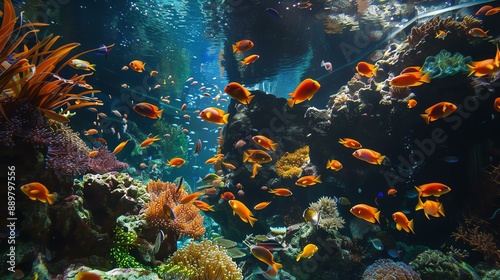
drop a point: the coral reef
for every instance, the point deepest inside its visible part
(388, 269)
(207, 260)
(187, 220)
(444, 64)
(474, 232)
(330, 218)
(434, 264)
(123, 243)
(290, 164)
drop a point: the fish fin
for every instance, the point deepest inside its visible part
(380, 160)
(426, 118)
(410, 226)
(32, 197)
(472, 69)
(318, 179)
(159, 113)
(377, 217)
(225, 118)
(235, 48)
(427, 216)
(51, 198)
(245, 156)
(398, 227)
(290, 102)
(322, 63)
(277, 266)
(252, 220)
(441, 210)
(420, 205)
(91, 66)
(34, 191)
(426, 78)
(418, 190)
(299, 255)
(374, 71)
(249, 99)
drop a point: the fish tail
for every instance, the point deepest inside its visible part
(318, 179)
(374, 71)
(420, 205)
(410, 226)
(290, 102)
(51, 198)
(380, 160)
(426, 78)
(377, 217)
(225, 118)
(441, 209)
(274, 146)
(277, 266)
(298, 257)
(426, 118)
(472, 69)
(211, 208)
(235, 49)
(245, 156)
(249, 99)
(252, 220)
(159, 113)
(328, 164)
(418, 190)
(91, 66)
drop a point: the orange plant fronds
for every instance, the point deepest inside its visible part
(187, 218)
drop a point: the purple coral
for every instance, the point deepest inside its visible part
(388, 269)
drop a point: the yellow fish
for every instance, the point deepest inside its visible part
(307, 252)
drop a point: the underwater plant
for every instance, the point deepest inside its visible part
(444, 64)
(289, 165)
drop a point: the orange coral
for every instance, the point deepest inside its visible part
(289, 165)
(188, 219)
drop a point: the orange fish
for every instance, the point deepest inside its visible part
(242, 211)
(38, 191)
(91, 131)
(413, 69)
(493, 11)
(308, 181)
(257, 156)
(366, 212)
(496, 104)
(249, 59)
(93, 153)
(430, 207)
(366, 69)
(214, 115)
(153, 72)
(412, 103)
(369, 156)
(148, 110)
(176, 162)
(255, 170)
(483, 10)
(120, 147)
(137, 65)
(265, 256)
(149, 141)
(261, 205)
(229, 165)
(402, 222)
(432, 189)
(190, 197)
(265, 142)
(280, 192)
(483, 67)
(437, 111)
(202, 205)
(238, 92)
(87, 275)
(350, 143)
(410, 79)
(242, 46)
(441, 34)
(392, 192)
(81, 64)
(477, 32)
(307, 252)
(214, 159)
(227, 196)
(334, 165)
(304, 91)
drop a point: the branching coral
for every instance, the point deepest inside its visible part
(473, 233)
(388, 269)
(289, 165)
(330, 219)
(208, 260)
(187, 218)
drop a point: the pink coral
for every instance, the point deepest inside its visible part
(388, 269)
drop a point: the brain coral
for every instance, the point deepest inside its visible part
(386, 269)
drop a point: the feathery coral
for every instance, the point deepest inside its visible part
(330, 218)
(188, 219)
(289, 165)
(208, 260)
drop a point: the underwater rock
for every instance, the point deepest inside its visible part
(118, 273)
(434, 264)
(110, 195)
(359, 228)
